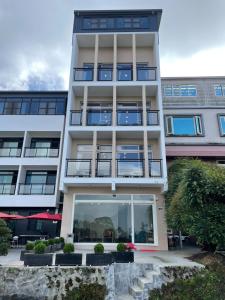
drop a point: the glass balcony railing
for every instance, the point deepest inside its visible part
(152, 117)
(155, 168)
(78, 168)
(10, 152)
(105, 74)
(83, 74)
(37, 189)
(103, 167)
(7, 189)
(99, 117)
(124, 74)
(146, 74)
(76, 117)
(129, 117)
(130, 168)
(41, 152)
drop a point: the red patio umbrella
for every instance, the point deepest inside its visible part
(45, 216)
(10, 217)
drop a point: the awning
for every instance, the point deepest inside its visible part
(10, 217)
(46, 216)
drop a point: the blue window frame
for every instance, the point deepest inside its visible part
(184, 126)
(180, 91)
(222, 124)
(219, 90)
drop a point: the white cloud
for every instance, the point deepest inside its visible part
(207, 62)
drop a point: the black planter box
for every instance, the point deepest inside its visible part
(99, 259)
(37, 259)
(25, 252)
(123, 257)
(66, 259)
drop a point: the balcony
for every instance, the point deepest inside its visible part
(99, 117)
(152, 117)
(78, 168)
(83, 74)
(76, 117)
(105, 74)
(124, 168)
(41, 152)
(129, 117)
(36, 189)
(103, 168)
(130, 168)
(124, 73)
(7, 189)
(10, 152)
(146, 73)
(155, 168)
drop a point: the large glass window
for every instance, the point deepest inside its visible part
(102, 222)
(180, 91)
(114, 219)
(184, 125)
(222, 124)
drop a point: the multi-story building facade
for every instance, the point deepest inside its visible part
(31, 136)
(194, 115)
(114, 166)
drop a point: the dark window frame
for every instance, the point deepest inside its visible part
(219, 123)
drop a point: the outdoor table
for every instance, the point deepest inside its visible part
(31, 237)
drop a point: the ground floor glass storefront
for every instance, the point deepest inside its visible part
(114, 219)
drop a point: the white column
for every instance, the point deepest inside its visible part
(94, 151)
(144, 114)
(134, 57)
(114, 57)
(84, 113)
(96, 57)
(114, 154)
(146, 165)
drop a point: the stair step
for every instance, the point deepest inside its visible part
(136, 291)
(145, 283)
(125, 297)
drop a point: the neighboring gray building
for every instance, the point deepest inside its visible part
(194, 116)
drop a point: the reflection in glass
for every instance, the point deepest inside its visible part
(143, 224)
(102, 222)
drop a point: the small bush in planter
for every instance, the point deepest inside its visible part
(40, 248)
(30, 246)
(121, 247)
(45, 243)
(37, 242)
(68, 248)
(99, 249)
(51, 242)
(57, 241)
(5, 235)
(62, 240)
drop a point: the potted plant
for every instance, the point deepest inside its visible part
(39, 258)
(5, 235)
(68, 257)
(99, 258)
(29, 248)
(62, 242)
(122, 255)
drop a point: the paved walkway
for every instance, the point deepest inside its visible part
(161, 258)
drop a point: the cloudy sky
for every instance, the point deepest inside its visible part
(35, 39)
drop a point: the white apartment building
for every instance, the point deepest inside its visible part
(31, 136)
(114, 171)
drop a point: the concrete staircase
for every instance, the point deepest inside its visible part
(139, 289)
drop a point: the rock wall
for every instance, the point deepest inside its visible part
(53, 283)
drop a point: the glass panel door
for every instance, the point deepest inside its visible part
(143, 223)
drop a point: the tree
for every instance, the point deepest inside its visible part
(196, 201)
(5, 235)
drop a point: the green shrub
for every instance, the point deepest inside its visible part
(40, 248)
(30, 246)
(205, 285)
(51, 242)
(62, 240)
(92, 291)
(5, 235)
(37, 242)
(57, 241)
(99, 249)
(121, 247)
(4, 248)
(45, 242)
(68, 248)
